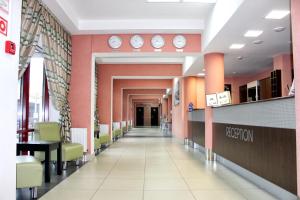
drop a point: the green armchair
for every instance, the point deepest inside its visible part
(102, 137)
(117, 130)
(50, 131)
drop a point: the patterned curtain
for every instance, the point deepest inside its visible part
(96, 113)
(38, 22)
(32, 21)
(57, 54)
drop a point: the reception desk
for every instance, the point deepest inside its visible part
(196, 127)
(260, 137)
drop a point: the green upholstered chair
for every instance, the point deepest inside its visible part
(129, 124)
(104, 139)
(124, 130)
(29, 172)
(117, 133)
(97, 143)
(104, 135)
(51, 131)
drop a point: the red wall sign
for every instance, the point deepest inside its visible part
(3, 26)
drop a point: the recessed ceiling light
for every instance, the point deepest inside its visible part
(201, 74)
(277, 14)
(237, 46)
(199, 1)
(253, 33)
(258, 42)
(163, 1)
(234, 72)
(240, 57)
(279, 29)
(203, 69)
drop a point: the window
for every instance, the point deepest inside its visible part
(36, 92)
(33, 97)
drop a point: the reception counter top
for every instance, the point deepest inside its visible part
(276, 113)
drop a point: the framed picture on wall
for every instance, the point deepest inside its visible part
(211, 100)
(177, 92)
(224, 98)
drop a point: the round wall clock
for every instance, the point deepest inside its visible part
(136, 41)
(157, 41)
(179, 41)
(115, 42)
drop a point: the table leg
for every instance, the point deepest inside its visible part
(59, 160)
(47, 165)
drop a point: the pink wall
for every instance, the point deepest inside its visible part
(284, 63)
(192, 90)
(120, 84)
(214, 83)
(80, 88)
(146, 101)
(178, 114)
(128, 92)
(236, 82)
(83, 46)
(106, 73)
(295, 7)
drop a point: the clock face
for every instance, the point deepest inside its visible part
(179, 41)
(115, 42)
(137, 41)
(157, 41)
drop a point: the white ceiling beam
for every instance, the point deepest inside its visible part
(141, 26)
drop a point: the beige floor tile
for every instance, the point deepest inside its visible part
(76, 183)
(127, 174)
(91, 174)
(165, 184)
(123, 184)
(162, 174)
(65, 194)
(218, 195)
(168, 195)
(118, 195)
(211, 183)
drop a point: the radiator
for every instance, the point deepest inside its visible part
(79, 135)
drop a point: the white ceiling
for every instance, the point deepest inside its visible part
(257, 58)
(121, 16)
(136, 9)
(136, 16)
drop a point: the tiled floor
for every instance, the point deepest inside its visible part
(154, 169)
(146, 132)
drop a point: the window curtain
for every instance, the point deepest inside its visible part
(32, 20)
(96, 113)
(56, 43)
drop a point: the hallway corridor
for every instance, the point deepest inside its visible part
(153, 168)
